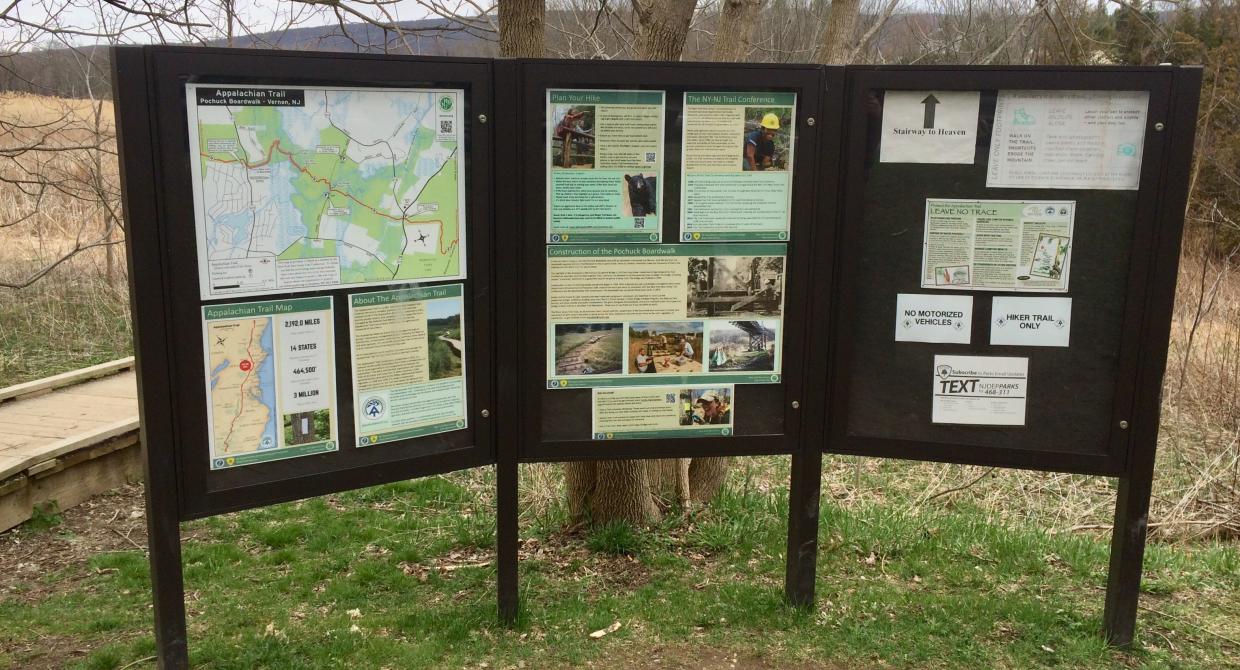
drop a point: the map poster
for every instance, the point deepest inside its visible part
(270, 380)
(980, 390)
(300, 189)
(604, 166)
(997, 245)
(408, 353)
(646, 412)
(1068, 139)
(659, 314)
(737, 166)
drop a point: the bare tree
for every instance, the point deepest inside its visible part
(735, 28)
(521, 28)
(664, 27)
(835, 45)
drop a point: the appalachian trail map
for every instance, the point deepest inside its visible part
(299, 189)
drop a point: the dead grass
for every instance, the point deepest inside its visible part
(59, 185)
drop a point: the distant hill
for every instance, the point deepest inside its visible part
(425, 37)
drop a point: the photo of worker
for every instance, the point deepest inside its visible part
(742, 345)
(736, 286)
(637, 195)
(588, 349)
(572, 136)
(767, 138)
(705, 406)
(673, 347)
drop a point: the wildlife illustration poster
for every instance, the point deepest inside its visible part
(604, 165)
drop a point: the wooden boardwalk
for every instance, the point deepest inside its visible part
(66, 438)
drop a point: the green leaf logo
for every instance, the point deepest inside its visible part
(445, 103)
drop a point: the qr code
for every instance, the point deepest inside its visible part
(671, 398)
(649, 156)
(445, 126)
(639, 222)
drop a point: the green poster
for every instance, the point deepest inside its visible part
(604, 166)
(408, 355)
(655, 412)
(737, 166)
(659, 314)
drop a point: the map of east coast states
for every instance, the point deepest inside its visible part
(315, 188)
(243, 386)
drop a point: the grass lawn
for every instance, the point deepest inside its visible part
(402, 576)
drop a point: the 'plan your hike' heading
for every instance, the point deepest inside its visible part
(277, 97)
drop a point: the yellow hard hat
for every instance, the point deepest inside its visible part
(770, 121)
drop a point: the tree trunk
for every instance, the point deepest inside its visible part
(835, 45)
(605, 491)
(734, 30)
(521, 28)
(664, 28)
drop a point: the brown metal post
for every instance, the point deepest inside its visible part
(135, 139)
(1132, 508)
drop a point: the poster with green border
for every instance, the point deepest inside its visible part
(604, 165)
(407, 349)
(271, 380)
(658, 314)
(653, 412)
(737, 166)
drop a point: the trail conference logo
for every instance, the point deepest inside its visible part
(374, 408)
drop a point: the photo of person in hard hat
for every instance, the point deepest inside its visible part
(766, 138)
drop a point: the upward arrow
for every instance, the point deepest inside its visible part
(928, 119)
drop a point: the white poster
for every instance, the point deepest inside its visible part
(1031, 322)
(926, 317)
(1068, 139)
(929, 126)
(980, 390)
(304, 189)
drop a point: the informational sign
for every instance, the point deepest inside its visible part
(643, 315)
(1068, 139)
(929, 126)
(737, 167)
(926, 317)
(604, 165)
(1031, 322)
(408, 353)
(301, 189)
(997, 245)
(980, 390)
(663, 411)
(270, 380)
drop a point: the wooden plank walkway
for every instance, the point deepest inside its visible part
(52, 426)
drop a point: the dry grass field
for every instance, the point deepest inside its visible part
(59, 206)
